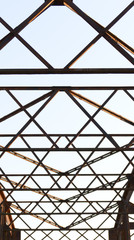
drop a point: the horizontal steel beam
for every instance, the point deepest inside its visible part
(67, 189)
(68, 201)
(64, 88)
(68, 71)
(66, 149)
(69, 135)
(61, 214)
(63, 229)
(66, 174)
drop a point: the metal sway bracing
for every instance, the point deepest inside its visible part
(66, 120)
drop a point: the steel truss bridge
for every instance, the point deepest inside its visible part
(66, 151)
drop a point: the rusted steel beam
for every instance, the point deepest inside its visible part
(45, 96)
(126, 227)
(65, 174)
(100, 29)
(27, 45)
(64, 88)
(32, 118)
(16, 235)
(67, 71)
(58, 2)
(113, 234)
(91, 119)
(86, 190)
(100, 35)
(61, 214)
(67, 135)
(34, 161)
(65, 229)
(5, 204)
(36, 216)
(6, 149)
(103, 108)
(117, 149)
(20, 27)
(39, 191)
(125, 198)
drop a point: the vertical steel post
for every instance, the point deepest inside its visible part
(16, 235)
(126, 225)
(2, 222)
(113, 234)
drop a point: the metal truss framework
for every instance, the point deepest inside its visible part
(65, 185)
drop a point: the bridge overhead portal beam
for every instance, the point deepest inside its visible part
(59, 2)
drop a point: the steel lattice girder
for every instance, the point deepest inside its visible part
(85, 172)
(67, 152)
